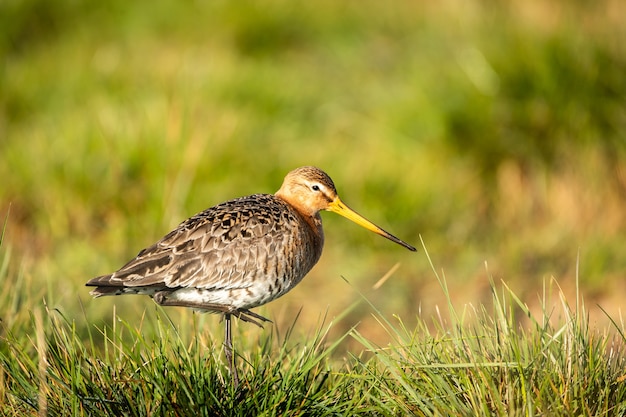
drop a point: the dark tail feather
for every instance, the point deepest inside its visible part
(102, 291)
(103, 286)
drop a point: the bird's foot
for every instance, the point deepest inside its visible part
(251, 317)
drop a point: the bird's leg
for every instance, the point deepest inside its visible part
(228, 350)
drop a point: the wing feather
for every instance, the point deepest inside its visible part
(224, 247)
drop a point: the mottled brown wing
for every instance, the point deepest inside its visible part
(226, 246)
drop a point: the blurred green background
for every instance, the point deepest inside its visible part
(495, 130)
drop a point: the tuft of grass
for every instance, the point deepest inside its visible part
(484, 362)
(141, 374)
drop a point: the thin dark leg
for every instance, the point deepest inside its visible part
(228, 351)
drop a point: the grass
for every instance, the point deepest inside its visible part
(479, 362)
(161, 374)
(494, 366)
(495, 130)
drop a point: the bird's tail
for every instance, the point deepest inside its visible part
(107, 286)
(104, 286)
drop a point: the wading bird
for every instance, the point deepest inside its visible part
(238, 255)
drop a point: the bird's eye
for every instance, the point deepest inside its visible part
(315, 187)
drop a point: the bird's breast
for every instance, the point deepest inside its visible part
(283, 246)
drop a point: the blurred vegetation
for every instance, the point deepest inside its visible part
(495, 130)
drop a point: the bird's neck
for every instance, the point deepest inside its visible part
(313, 219)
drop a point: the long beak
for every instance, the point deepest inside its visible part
(337, 206)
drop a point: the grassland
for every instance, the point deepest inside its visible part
(494, 131)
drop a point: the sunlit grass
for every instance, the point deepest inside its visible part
(479, 361)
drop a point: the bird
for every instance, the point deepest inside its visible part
(239, 254)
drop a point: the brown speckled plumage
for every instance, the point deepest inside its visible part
(234, 256)
(239, 254)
